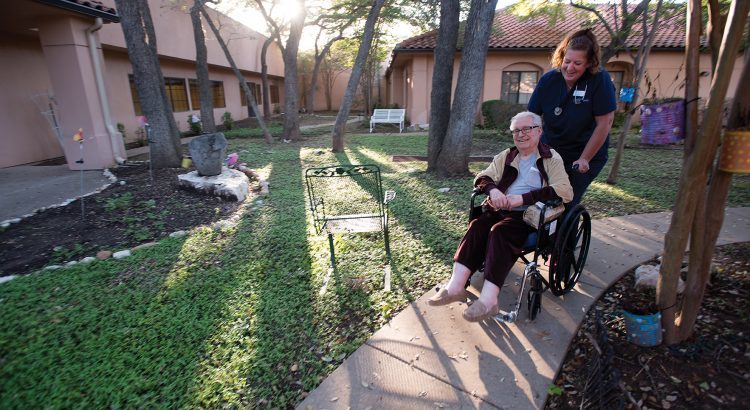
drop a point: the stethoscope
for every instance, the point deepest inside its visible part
(578, 96)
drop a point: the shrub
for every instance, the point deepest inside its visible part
(227, 120)
(195, 124)
(497, 113)
(121, 130)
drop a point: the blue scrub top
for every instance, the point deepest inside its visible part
(569, 132)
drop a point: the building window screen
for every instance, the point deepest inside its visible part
(177, 94)
(517, 86)
(274, 90)
(256, 93)
(217, 88)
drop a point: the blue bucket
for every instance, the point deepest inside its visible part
(643, 330)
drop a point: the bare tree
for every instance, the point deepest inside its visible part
(331, 67)
(249, 96)
(340, 126)
(690, 220)
(205, 94)
(442, 79)
(641, 58)
(289, 54)
(336, 20)
(140, 38)
(453, 157)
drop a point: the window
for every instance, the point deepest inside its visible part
(217, 87)
(176, 94)
(617, 77)
(517, 86)
(195, 95)
(217, 92)
(274, 91)
(134, 95)
(256, 94)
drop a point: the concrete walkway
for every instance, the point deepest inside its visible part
(429, 357)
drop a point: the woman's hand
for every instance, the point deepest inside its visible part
(583, 165)
(497, 200)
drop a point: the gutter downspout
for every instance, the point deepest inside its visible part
(115, 137)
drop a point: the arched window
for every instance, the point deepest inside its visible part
(518, 82)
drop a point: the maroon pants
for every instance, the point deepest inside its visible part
(495, 238)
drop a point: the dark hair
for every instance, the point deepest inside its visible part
(581, 40)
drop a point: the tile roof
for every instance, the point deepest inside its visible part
(93, 8)
(511, 32)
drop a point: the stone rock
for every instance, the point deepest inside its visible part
(263, 188)
(177, 234)
(144, 246)
(87, 259)
(443, 190)
(71, 263)
(52, 267)
(208, 152)
(102, 255)
(121, 254)
(7, 278)
(230, 184)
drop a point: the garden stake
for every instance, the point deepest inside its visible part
(78, 137)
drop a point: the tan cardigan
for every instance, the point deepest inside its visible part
(503, 170)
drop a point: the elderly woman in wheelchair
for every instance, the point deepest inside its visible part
(519, 177)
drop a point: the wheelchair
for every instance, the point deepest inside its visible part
(562, 243)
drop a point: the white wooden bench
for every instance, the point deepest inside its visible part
(388, 116)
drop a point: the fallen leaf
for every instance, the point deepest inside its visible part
(423, 394)
(334, 398)
(327, 359)
(440, 405)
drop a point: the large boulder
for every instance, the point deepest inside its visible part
(230, 184)
(208, 152)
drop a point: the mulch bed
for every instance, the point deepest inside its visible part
(132, 211)
(710, 370)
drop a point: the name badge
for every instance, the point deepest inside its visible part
(579, 93)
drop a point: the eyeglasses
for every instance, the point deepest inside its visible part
(524, 130)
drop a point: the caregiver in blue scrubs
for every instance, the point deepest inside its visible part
(577, 102)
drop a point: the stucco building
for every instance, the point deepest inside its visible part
(52, 50)
(519, 53)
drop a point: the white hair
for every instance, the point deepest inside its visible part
(535, 119)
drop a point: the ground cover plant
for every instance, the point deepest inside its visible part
(235, 316)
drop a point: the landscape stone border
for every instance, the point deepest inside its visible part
(229, 222)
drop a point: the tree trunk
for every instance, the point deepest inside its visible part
(692, 187)
(692, 74)
(442, 79)
(316, 72)
(715, 30)
(641, 59)
(346, 102)
(703, 244)
(266, 95)
(453, 158)
(291, 80)
(249, 96)
(201, 70)
(140, 38)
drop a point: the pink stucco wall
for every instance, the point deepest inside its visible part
(45, 51)
(26, 135)
(410, 79)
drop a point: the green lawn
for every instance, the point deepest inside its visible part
(235, 317)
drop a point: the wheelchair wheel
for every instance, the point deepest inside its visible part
(570, 250)
(534, 298)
